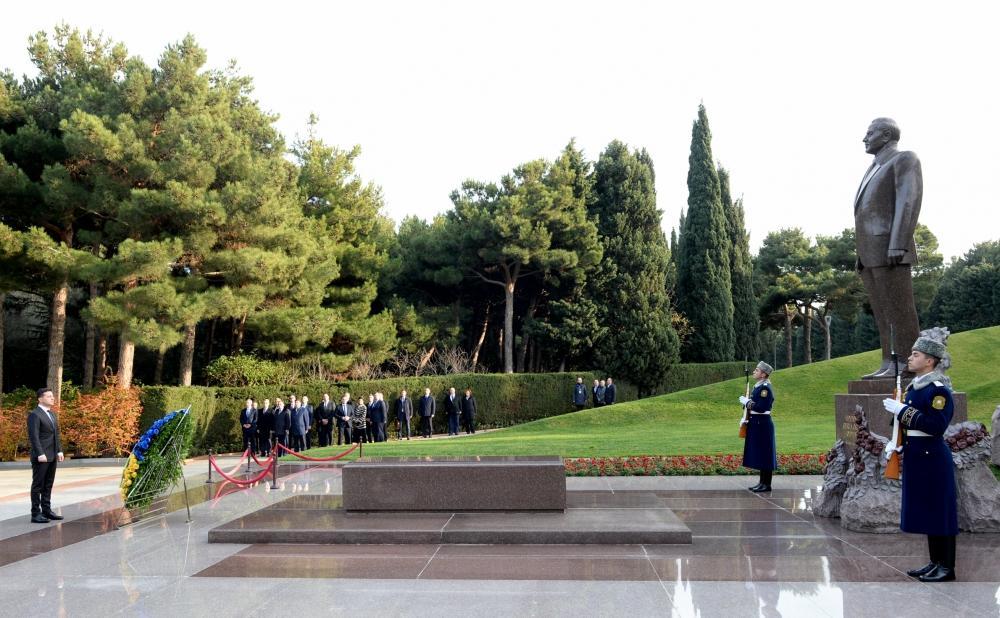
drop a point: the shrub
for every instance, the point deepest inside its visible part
(157, 401)
(101, 423)
(247, 370)
(689, 465)
(683, 376)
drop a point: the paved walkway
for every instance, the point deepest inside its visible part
(750, 556)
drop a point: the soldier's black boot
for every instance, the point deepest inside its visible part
(933, 552)
(945, 570)
(765, 482)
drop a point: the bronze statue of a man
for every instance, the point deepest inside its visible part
(885, 216)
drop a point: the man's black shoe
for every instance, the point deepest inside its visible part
(38, 519)
(761, 489)
(924, 570)
(52, 515)
(939, 574)
(755, 487)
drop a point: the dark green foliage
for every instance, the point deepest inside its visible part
(246, 370)
(704, 281)
(746, 322)
(969, 294)
(206, 430)
(638, 342)
(683, 376)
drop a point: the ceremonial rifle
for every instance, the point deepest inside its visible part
(895, 444)
(743, 422)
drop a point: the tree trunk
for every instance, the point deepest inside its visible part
(158, 372)
(241, 328)
(788, 336)
(525, 339)
(211, 340)
(126, 358)
(88, 349)
(807, 332)
(426, 358)
(187, 354)
(562, 365)
(482, 338)
(508, 326)
(3, 337)
(57, 336)
(828, 342)
(102, 354)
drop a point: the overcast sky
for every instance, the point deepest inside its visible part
(438, 92)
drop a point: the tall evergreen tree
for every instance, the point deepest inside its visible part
(704, 281)
(638, 342)
(746, 322)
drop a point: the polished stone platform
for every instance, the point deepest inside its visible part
(590, 518)
(455, 484)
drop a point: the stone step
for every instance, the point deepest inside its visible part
(601, 519)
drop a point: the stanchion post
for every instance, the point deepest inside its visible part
(274, 469)
(248, 461)
(209, 479)
(360, 449)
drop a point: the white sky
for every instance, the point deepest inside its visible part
(438, 92)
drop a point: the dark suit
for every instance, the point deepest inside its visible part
(282, 423)
(609, 394)
(885, 216)
(300, 425)
(404, 412)
(451, 410)
(43, 435)
(265, 425)
(379, 418)
(249, 417)
(427, 409)
(324, 412)
(307, 436)
(343, 412)
(599, 396)
(579, 396)
(469, 414)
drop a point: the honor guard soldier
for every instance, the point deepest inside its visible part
(930, 504)
(759, 450)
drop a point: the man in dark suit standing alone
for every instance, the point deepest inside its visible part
(427, 408)
(451, 410)
(46, 452)
(404, 412)
(885, 216)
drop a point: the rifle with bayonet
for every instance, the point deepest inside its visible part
(895, 444)
(743, 421)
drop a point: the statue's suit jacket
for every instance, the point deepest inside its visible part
(886, 208)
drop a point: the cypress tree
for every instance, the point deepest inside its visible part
(746, 323)
(639, 343)
(704, 282)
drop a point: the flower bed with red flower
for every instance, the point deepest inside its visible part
(685, 465)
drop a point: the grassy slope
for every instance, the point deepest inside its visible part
(704, 420)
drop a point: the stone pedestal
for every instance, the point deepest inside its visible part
(455, 484)
(994, 431)
(869, 395)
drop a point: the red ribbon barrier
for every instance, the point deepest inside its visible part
(267, 462)
(263, 473)
(307, 458)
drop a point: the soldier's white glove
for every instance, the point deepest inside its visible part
(744, 400)
(892, 406)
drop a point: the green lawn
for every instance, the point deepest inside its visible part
(704, 420)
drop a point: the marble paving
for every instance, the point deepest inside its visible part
(750, 555)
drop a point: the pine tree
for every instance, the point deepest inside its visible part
(746, 322)
(638, 342)
(704, 282)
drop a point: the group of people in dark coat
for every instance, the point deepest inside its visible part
(293, 426)
(603, 393)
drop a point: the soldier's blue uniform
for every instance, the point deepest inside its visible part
(759, 451)
(929, 494)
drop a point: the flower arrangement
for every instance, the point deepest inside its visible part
(685, 465)
(150, 457)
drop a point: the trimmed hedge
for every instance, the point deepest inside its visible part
(502, 399)
(692, 375)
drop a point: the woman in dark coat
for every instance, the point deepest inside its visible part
(468, 404)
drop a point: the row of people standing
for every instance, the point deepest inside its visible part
(603, 393)
(294, 425)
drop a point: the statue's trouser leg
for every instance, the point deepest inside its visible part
(890, 294)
